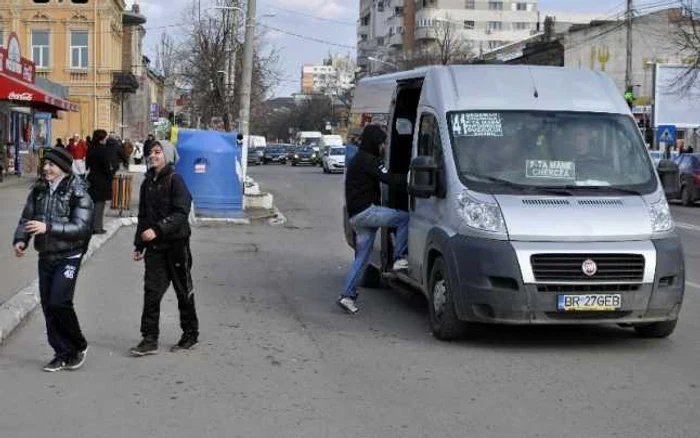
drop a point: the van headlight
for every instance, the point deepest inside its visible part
(480, 215)
(660, 215)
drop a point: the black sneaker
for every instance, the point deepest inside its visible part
(77, 360)
(187, 342)
(56, 364)
(145, 347)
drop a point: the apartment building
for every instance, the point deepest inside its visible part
(391, 26)
(78, 44)
(334, 75)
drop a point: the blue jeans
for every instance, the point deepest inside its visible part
(366, 224)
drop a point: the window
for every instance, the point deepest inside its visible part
(398, 10)
(41, 1)
(469, 24)
(380, 7)
(494, 25)
(429, 144)
(79, 49)
(79, 2)
(521, 26)
(380, 41)
(469, 4)
(2, 38)
(495, 6)
(521, 6)
(40, 48)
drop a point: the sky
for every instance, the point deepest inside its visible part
(306, 31)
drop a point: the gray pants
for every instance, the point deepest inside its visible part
(98, 221)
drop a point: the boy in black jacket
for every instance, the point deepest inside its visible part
(363, 201)
(58, 215)
(163, 232)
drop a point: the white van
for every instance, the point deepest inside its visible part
(309, 138)
(331, 140)
(530, 201)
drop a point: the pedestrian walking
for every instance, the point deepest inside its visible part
(364, 174)
(78, 149)
(99, 177)
(58, 215)
(147, 146)
(163, 240)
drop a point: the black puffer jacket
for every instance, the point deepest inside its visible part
(164, 206)
(366, 171)
(67, 214)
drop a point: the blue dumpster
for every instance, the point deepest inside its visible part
(210, 163)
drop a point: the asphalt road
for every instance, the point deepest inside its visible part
(278, 358)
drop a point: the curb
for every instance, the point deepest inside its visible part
(20, 305)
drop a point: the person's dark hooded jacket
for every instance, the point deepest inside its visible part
(366, 170)
(116, 154)
(164, 206)
(67, 214)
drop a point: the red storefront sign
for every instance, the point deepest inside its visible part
(17, 81)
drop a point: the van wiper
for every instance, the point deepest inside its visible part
(561, 191)
(613, 189)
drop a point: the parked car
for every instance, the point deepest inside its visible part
(290, 149)
(255, 155)
(275, 153)
(689, 168)
(334, 160)
(304, 155)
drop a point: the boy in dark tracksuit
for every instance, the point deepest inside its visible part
(163, 233)
(58, 214)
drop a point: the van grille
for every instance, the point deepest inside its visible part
(569, 267)
(546, 202)
(601, 202)
(587, 288)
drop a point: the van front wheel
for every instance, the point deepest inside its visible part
(661, 329)
(443, 317)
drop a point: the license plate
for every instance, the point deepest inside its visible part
(589, 302)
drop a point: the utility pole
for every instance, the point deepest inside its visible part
(247, 75)
(628, 68)
(231, 60)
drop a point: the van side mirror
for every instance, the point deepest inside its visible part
(423, 182)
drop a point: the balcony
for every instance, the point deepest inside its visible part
(425, 34)
(395, 40)
(124, 82)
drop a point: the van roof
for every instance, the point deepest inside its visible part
(498, 87)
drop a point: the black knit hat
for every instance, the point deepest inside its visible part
(372, 137)
(60, 157)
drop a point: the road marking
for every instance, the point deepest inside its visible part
(691, 284)
(688, 226)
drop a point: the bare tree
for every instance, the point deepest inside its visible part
(688, 41)
(209, 40)
(447, 46)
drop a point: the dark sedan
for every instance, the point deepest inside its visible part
(275, 154)
(689, 168)
(304, 155)
(255, 155)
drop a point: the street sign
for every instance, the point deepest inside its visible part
(666, 134)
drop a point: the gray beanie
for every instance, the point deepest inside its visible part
(169, 150)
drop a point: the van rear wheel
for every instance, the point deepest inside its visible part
(661, 329)
(444, 322)
(372, 278)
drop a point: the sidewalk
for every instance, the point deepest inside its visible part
(15, 273)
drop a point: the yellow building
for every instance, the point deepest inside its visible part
(78, 44)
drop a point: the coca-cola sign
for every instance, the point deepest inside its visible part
(24, 97)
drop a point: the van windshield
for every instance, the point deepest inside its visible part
(503, 152)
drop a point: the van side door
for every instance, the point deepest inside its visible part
(425, 213)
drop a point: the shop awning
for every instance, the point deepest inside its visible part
(14, 90)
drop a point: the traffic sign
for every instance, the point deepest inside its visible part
(666, 134)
